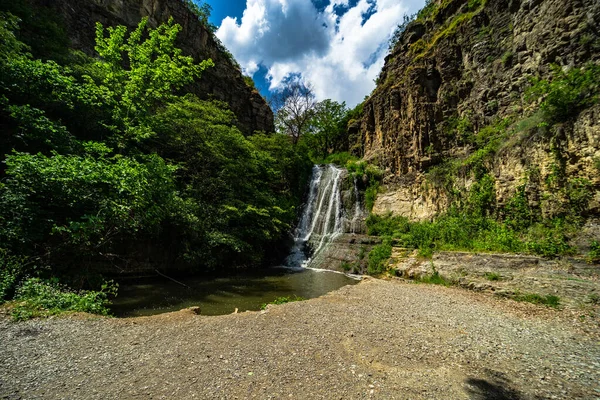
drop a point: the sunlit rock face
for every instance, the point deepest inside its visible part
(475, 65)
(223, 82)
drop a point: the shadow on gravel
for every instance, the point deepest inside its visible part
(481, 389)
(495, 387)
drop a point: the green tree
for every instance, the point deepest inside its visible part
(327, 126)
(156, 69)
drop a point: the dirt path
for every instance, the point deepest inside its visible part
(378, 339)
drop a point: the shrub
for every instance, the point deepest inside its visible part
(597, 163)
(11, 269)
(566, 93)
(593, 256)
(434, 279)
(282, 300)
(517, 212)
(507, 58)
(549, 239)
(341, 159)
(492, 276)
(249, 82)
(379, 257)
(38, 298)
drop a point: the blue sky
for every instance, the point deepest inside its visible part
(338, 46)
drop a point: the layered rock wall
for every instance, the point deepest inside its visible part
(223, 82)
(473, 61)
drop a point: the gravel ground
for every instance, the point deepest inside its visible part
(378, 339)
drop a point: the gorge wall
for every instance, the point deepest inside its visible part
(463, 66)
(223, 82)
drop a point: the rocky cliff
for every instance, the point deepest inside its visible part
(223, 82)
(464, 66)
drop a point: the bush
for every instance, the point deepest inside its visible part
(38, 298)
(340, 159)
(566, 93)
(282, 300)
(11, 269)
(492, 276)
(379, 257)
(593, 256)
(249, 82)
(549, 239)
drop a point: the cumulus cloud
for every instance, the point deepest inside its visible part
(339, 50)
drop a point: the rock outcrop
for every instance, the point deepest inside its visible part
(471, 62)
(223, 82)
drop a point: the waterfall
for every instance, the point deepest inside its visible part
(322, 217)
(357, 208)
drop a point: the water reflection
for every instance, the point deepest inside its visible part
(222, 295)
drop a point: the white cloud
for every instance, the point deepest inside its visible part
(340, 55)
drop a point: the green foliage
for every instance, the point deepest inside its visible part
(112, 166)
(241, 191)
(593, 256)
(434, 279)
(596, 161)
(43, 29)
(283, 300)
(549, 238)
(12, 269)
(369, 174)
(567, 92)
(249, 82)
(156, 69)
(507, 58)
(346, 266)
(340, 159)
(326, 126)
(94, 200)
(518, 214)
(38, 298)
(492, 276)
(548, 300)
(379, 257)
(482, 197)
(202, 10)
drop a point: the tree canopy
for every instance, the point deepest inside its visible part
(108, 166)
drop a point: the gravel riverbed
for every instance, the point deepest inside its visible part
(378, 339)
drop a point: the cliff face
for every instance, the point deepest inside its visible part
(470, 63)
(223, 82)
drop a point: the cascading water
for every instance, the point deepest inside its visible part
(357, 209)
(322, 218)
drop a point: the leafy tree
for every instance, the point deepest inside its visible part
(326, 126)
(295, 106)
(156, 68)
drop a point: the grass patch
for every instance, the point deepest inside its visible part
(534, 298)
(492, 276)
(282, 300)
(434, 279)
